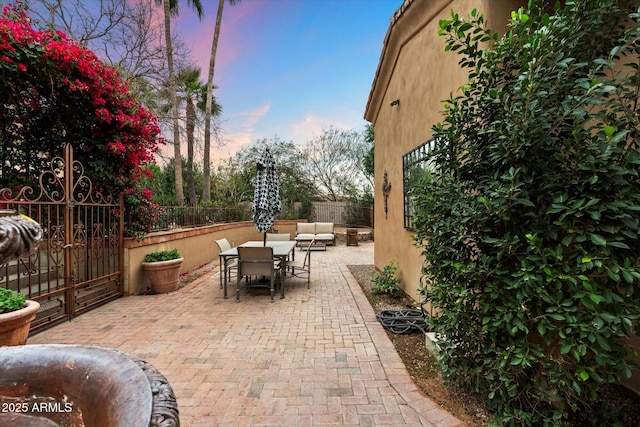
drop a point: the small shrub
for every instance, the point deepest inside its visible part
(387, 282)
(162, 256)
(11, 301)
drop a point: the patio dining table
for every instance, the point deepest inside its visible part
(281, 251)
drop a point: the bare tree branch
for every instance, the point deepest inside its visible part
(333, 163)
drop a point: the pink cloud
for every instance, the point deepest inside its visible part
(241, 129)
(313, 125)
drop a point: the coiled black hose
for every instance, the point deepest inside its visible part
(404, 321)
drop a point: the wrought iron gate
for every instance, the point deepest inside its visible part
(79, 265)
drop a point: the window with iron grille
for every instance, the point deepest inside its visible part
(415, 165)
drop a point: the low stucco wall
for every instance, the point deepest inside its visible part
(196, 245)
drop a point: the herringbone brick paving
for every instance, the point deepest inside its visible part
(318, 357)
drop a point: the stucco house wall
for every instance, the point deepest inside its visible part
(414, 74)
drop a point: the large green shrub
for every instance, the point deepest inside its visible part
(529, 225)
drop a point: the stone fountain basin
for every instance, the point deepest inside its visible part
(82, 386)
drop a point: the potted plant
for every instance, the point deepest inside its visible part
(163, 269)
(16, 315)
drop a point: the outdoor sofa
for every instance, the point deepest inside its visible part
(322, 232)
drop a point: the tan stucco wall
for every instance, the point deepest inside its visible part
(416, 70)
(197, 247)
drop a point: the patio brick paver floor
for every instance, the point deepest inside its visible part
(318, 357)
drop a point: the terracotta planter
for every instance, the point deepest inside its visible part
(163, 275)
(14, 326)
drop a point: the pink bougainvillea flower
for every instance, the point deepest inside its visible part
(113, 135)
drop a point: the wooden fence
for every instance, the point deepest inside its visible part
(342, 213)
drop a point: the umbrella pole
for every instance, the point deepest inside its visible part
(264, 242)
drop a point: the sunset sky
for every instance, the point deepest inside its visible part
(289, 68)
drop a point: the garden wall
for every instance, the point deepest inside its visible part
(196, 245)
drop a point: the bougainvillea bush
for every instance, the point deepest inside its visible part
(529, 224)
(55, 92)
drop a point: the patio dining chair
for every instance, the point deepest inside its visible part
(257, 261)
(276, 237)
(299, 267)
(231, 264)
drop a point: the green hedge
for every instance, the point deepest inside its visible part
(529, 225)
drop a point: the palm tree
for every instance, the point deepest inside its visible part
(191, 88)
(206, 170)
(171, 8)
(194, 93)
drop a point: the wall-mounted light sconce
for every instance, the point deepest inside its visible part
(386, 189)
(395, 102)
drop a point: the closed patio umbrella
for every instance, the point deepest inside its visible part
(266, 196)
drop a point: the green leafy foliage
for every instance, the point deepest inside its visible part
(529, 225)
(162, 256)
(11, 301)
(233, 182)
(387, 282)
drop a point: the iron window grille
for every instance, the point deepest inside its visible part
(415, 164)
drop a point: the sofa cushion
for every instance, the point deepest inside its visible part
(306, 228)
(325, 236)
(324, 227)
(305, 237)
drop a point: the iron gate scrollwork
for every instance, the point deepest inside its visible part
(79, 265)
